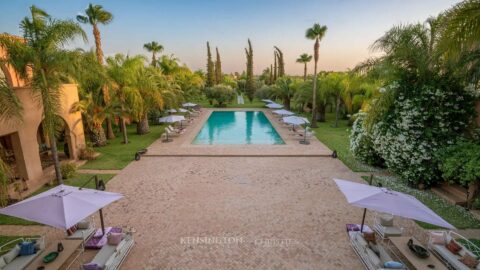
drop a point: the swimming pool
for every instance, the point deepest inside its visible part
(232, 127)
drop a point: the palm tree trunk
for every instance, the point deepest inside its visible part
(305, 72)
(154, 60)
(98, 44)
(97, 136)
(337, 107)
(110, 133)
(286, 103)
(124, 131)
(56, 162)
(142, 126)
(321, 112)
(314, 101)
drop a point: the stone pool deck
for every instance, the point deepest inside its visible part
(182, 145)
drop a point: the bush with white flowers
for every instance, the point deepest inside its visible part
(422, 119)
(361, 143)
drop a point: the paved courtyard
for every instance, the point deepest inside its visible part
(279, 213)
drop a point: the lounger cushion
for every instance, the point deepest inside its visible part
(388, 231)
(469, 261)
(84, 224)
(373, 258)
(437, 238)
(386, 220)
(360, 240)
(393, 265)
(92, 266)
(114, 238)
(453, 247)
(12, 254)
(27, 248)
(20, 262)
(2, 263)
(103, 255)
(452, 259)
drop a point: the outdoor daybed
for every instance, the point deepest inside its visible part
(384, 226)
(82, 230)
(373, 256)
(12, 260)
(111, 256)
(454, 250)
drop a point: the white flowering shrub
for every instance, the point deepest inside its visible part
(422, 119)
(361, 143)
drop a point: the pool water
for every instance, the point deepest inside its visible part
(231, 127)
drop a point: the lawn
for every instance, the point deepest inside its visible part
(116, 155)
(77, 181)
(337, 138)
(454, 214)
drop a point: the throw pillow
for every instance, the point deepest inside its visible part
(72, 230)
(2, 263)
(27, 248)
(114, 238)
(453, 247)
(84, 224)
(393, 265)
(11, 255)
(39, 244)
(369, 237)
(92, 266)
(469, 261)
(437, 238)
(386, 220)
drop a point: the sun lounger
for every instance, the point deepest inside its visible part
(111, 257)
(17, 261)
(373, 256)
(98, 240)
(437, 244)
(174, 132)
(384, 226)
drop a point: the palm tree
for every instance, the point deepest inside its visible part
(284, 88)
(317, 32)
(94, 15)
(123, 73)
(42, 63)
(10, 109)
(304, 59)
(153, 47)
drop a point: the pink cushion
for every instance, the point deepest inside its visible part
(114, 238)
(437, 238)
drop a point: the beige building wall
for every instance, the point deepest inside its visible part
(24, 133)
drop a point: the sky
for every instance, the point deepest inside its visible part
(184, 26)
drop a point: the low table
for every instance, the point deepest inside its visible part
(70, 247)
(400, 243)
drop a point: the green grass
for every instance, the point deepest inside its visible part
(476, 242)
(116, 155)
(254, 104)
(453, 214)
(77, 181)
(337, 138)
(7, 238)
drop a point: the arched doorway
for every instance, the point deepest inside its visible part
(64, 144)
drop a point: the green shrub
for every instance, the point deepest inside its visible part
(220, 93)
(264, 92)
(460, 163)
(88, 152)
(68, 170)
(361, 142)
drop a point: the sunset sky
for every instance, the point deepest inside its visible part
(184, 26)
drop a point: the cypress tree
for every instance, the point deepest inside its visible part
(210, 69)
(281, 62)
(218, 68)
(250, 83)
(274, 67)
(270, 79)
